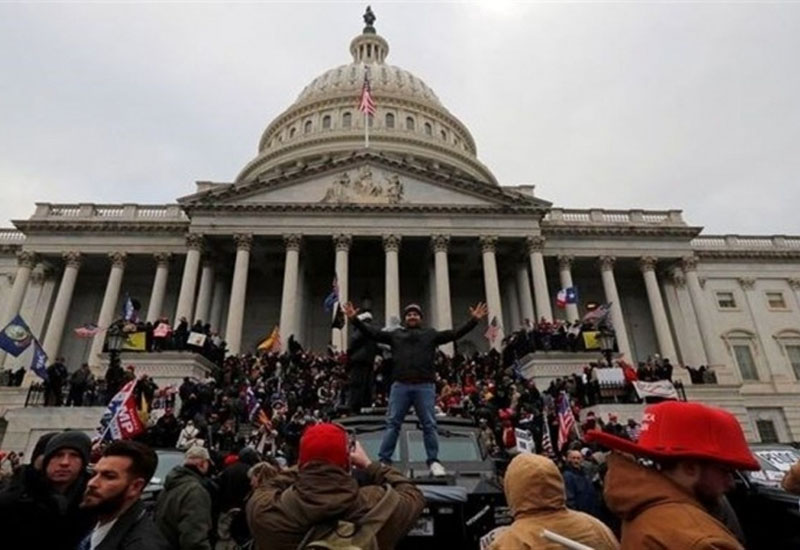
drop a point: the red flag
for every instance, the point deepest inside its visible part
(366, 104)
(127, 422)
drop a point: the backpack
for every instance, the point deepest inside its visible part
(348, 535)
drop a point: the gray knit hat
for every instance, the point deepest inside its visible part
(71, 439)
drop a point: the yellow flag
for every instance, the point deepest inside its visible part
(271, 341)
(590, 339)
(135, 341)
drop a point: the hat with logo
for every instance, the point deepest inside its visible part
(680, 430)
(325, 443)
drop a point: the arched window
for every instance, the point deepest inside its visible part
(326, 122)
(428, 129)
(347, 120)
(307, 127)
(292, 131)
(389, 120)
(444, 135)
(410, 123)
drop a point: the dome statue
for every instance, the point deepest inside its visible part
(410, 122)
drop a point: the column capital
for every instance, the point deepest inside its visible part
(194, 241)
(118, 259)
(391, 243)
(606, 263)
(747, 283)
(26, 258)
(41, 274)
(647, 263)
(440, 243)
(678, 278)
(292, 241)
(689, 263)
(209, 260)
(794, 283)
(565, 262)
(534, 243)
(488, 243)
(72, 258)
(244, 241)
(342, 242)
(162, 258)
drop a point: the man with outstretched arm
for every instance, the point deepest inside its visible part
(414, 378)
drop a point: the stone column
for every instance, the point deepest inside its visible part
(612, 296)
(444, 310)
(26, 261)
(109, 305)
(511, 306)
(288, 322)
(58, 318)
(215, 317)
(524, 294)
(189, 281)
(776, 369)
(391, 246)
(535, 247)
(663, 334)
(233, 328)
(204, 294)
(565, 274)
(342, 244)
(155, 308)
(711, 339)
(492, 286)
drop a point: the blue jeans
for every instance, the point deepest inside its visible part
(401, 397)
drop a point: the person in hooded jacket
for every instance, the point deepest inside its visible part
(535, 493)
(694, 450)
(360, 363)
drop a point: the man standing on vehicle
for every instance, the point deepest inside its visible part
(414, 378)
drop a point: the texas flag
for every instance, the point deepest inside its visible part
(566, 296)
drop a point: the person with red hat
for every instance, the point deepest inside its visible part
(694, 450)
(294, 507)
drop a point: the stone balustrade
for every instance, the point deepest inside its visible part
(600, 216)
(746, 242)
(122, 212)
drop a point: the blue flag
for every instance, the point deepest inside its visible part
(128, 311)
(39, 362)
(572, 295)
(16, 337)
(333, 297)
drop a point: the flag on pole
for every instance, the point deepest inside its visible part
(39, 361)
(547, 443)
(272, 342)
(121, 419)
(252, 403)
(89, 330)
(598, 315)
(492, 330)
(566, 296)
(16, 336)
(128, 310)
(561, 298)
(333, 298)
(566, 420)
(338, 317)
(366, 104)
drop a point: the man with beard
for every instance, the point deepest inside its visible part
(112, 494)
(694, 450)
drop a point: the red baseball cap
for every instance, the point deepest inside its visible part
(325, 443)
(676, 429)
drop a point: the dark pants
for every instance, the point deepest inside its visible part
(360, 387)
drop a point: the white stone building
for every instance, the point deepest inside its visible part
(415, 216)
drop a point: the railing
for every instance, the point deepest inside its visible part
(147, 212)
(599, 216)
(11, 236)
(746, 242)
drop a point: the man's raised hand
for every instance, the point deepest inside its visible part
(349, 310)
(479, 311)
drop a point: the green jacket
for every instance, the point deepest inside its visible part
(183, 510)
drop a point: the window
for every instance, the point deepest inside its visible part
(793, 353)
(767, 432)
(292, 132)
(389, 120)
(428, 129)
(744, 358)
(409, 123)
(725, 300)
(347, 120)
(775, 300)
(326, 122)
(307, 127)
(444, 135)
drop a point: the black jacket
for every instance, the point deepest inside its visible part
(363, 349)
(414, 349)
(134, 530)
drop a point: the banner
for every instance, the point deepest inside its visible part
(162, 330)
(663, 389)
(524, 441)
(196, 339)
(39, 361)
(590, 339)
(121, 419)
(16, 337)
(135, 341)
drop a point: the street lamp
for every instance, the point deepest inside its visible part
(607, 339)
(115, 339)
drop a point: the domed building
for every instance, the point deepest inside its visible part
(394, 208)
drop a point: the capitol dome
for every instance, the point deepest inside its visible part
(410, 122)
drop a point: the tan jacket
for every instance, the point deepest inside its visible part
(658, 514)
(535, 492)
(328, 493)
(791, 481)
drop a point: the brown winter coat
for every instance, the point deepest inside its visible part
(326, 493)
(657, 514)
(791, 481)
(535, 492)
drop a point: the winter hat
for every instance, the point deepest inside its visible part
(412, 307)
(249, 456)
(675, 430)
(325, 443)
(71, 439)
(41, 444)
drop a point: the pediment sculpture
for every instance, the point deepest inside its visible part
(365, 188)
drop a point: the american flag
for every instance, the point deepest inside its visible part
(492, 330)
(333, 298)
(87, 331)
(366, 104)
(566, 420)
(547, 443)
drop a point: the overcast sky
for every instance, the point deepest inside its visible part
(627, 105)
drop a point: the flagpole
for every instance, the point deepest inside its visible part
(366, 130)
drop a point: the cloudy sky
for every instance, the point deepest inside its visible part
(620, 105)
